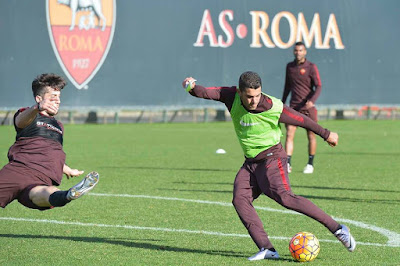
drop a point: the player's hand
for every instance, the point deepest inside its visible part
(187, 81)
(333, 139)
(48, 105)
(309, 104)
(69, 172)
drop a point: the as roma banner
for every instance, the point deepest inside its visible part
(81, 32)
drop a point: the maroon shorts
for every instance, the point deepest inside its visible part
(311, 113)
(16, 181)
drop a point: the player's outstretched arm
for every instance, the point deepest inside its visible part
(26, 117)
(221, 94)
(292, 117)
(69, 172)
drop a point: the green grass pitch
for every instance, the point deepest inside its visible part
(164, 198)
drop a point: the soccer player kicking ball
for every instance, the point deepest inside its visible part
(36, 159)
(256, 117)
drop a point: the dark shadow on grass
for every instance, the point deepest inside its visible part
(202, 183)
(168, 168)
(349, 189)
(198, 190)
(130, 243)
(352, 199)
(295, 186)
(358, 153)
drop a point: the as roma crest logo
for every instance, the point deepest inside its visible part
(302, 71)
(81, 32)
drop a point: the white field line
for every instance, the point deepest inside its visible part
(393, 237)
(130, 227)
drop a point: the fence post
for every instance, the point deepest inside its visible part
(70, 117)
(164, 116)
(368, 112)
(105, 117)
(116, 117)
(205, 115)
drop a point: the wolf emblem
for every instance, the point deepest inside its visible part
(86, 22)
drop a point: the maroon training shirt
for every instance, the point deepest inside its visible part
(300, 81)
(288, 116)
(39, 146)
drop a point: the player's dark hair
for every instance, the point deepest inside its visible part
(250, 80)
(41, 82)
(300, 43)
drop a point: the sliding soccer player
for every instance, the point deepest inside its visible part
(36, 159)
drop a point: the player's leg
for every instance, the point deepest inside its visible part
(39, 195)
(289, 144)
(245, 192)
(312, 142)
(9, 185)
(312, 148)
(276, 185)
(16, 181)
(44, 197)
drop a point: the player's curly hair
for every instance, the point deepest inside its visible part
(41, 82)
(250, 80)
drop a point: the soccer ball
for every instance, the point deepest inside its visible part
(304, 247)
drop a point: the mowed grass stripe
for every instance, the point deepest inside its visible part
(393, 237)
(132, 227)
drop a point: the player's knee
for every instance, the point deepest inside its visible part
(290, 135)
(239, 200)
(31, 199)
(39, 195)
(289, 138)
(38, 200)
(236, 201)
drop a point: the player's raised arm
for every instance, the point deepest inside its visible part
(26, 116)
(221, 94)
(46, 106)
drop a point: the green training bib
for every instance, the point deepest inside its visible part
(257, 132)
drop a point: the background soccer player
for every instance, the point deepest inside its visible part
(256, 117)
(303, 81)
(36, 159)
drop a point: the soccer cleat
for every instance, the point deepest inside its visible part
(289, 168)
(344, 236)
(84, 186)
(265, 254)
(309, 169)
